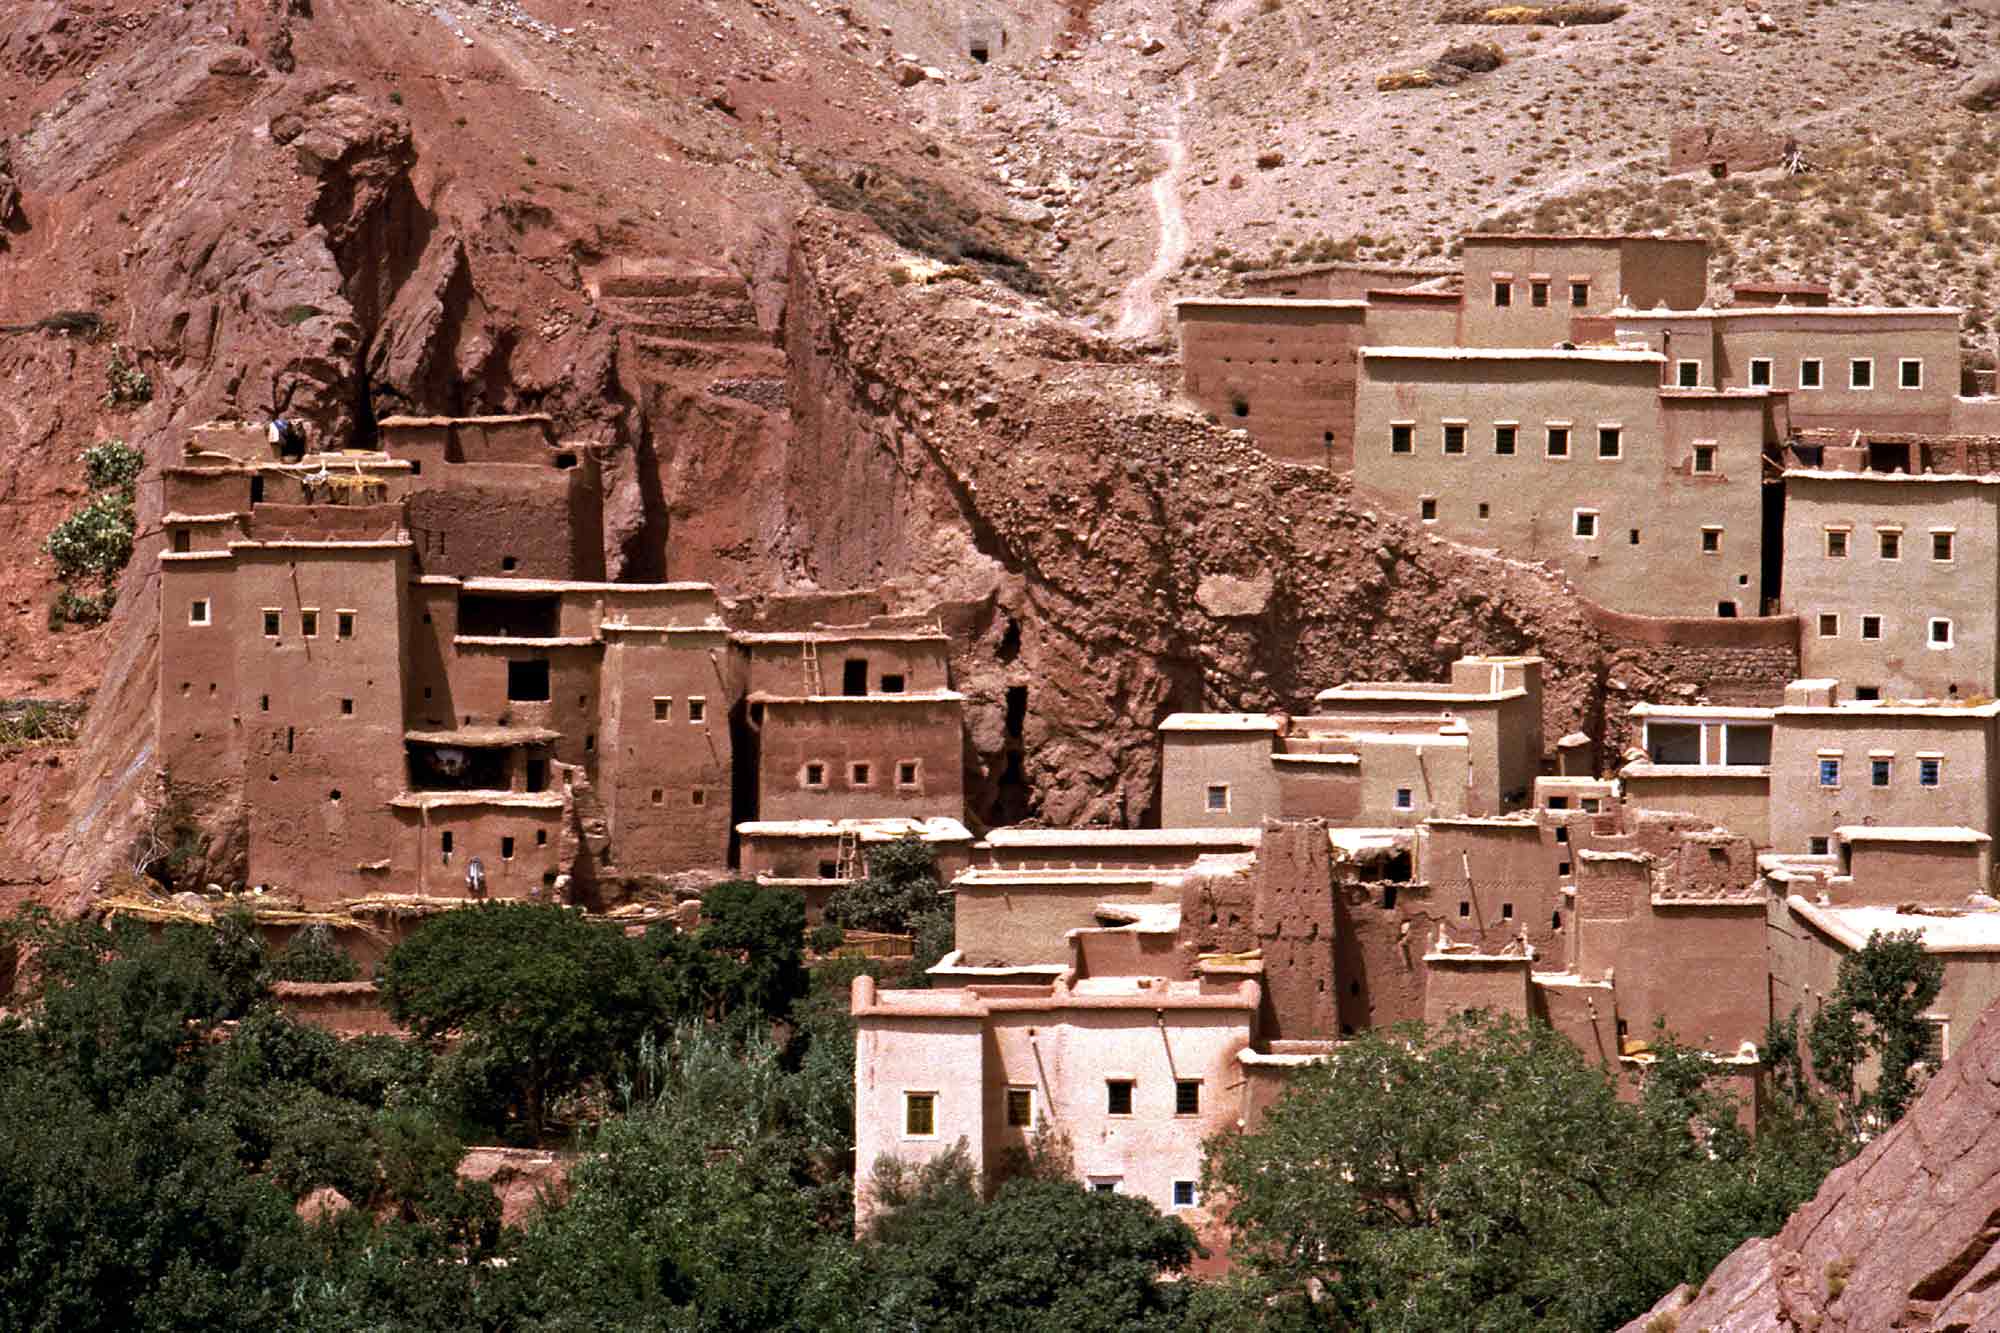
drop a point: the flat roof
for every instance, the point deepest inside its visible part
(1910, 833)
(1353, 840)
(1619, 355)
(1270, 303)
(1808, 311)
(992, 877)
(1646, 768)
(1598, 236)
(1954, 932)
(907, 697)
(1867, 708)
(1297, 757)
(506, 420)
(1830, 474)
(473, 738)
(937, 828)
(904, 634)
(433, 800)
(1413, 692)
(505, 586)
(526, 641)
(1724, 712)
(1220, 722)
(1134, 993)
(1134, 837)
(1451, 732)
(225, 516)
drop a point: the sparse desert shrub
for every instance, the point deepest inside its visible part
(128, 385)
(1403, 79)
(1563, 15)
(1836, 1277)
(1474, 57)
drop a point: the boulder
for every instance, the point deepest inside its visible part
(1228, 598)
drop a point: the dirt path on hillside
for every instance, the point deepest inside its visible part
(1139, 313)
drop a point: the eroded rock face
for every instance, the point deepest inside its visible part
(1905, 1236)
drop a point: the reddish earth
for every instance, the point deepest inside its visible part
(823, 305)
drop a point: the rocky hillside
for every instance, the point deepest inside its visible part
(1905, 1236)
(861, 293)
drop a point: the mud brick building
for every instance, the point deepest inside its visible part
(406, 668)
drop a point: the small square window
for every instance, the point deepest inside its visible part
(1538, 294)
(1562, 833)
(815, 775)
(1829, 772)
(1187, 1096)
(1889, 543)
(1585, 524)
(1829, 624)
(1861, 373)
(343, 624)
(1929, 772)
(1427, 509)
(1940, 635)
(1878, 772)
(1485, 510)
(1760, 372)
(1871, 627)
(1558, 442)
(1506, 911)
(859, 775)
(1504, 438)
(1688, 374)
(1836, 543)
(1818, 846)
(1503, 294)
(829, 870)
(1405, 798)
(1218, 798)
(1402, 438)
(1184, 1194)
(1020, 1108)
(1591, 805)
(309, 623)
(1711, 541)
(659, 796)
(273, 623)
(1632, 536)
(919, 1114)
(907, 773)
(1610, 441)
(183, 541)
(663, 708)
(1579, 295)
(1867, 693)
(1910, 373)
(1104, 1187)
(1704, 458)
(892, 683)
(347, 708)
(1464, 908)
(1454, 438)
(528, 680)
(1942, 545)
(1812, 373)
(698, 796)
(198, 611)
(1118, 1096)
(697, 710)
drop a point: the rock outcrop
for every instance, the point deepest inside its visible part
(1905, 1236)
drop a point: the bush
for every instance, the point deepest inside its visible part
(313, 956)
(129, 385)
(113, 465)
(96, 540)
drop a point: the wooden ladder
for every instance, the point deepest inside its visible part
(815, 684)
(848, 866)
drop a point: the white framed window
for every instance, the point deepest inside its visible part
(343, 624)
(1216, 799)
(1107, 1184)
(1818, 846)
(1711, 541)
(1427, 509)
(274, 622)
(1944, 544)
(1579, 293)
(1454, 437)
(1760, 372)
(663, 708)
(812, 775)
(1704, 456)
(1118, 1095)
(1861, 372)
(1880, 769)
(309, 622)
(1836, 543)
(1829, 624)
(1930, 770)
(1937, 1040)
(1558, 441)
(1871, 627)
(1506, 438)
(1503, 292)
(1020, 1108)
(1910, 373)
(1829, 770)
(1812, 373)
(920, 1115)
(1940, 633)
(1406, 799)
(697, 710)
(860, 775)
(1538, 292)
(1610, 440)
(1583, 522)
(1889, 543)
(1687, 374)
(198, 612)
(1185, 1194)
(909, 773)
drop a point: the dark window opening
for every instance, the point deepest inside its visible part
(273, 623)
(290, 736)
(906, 774)
(1556, 920)
(455, 768)
(979, 53)
(1118, 1096)
(263, 703)
(344, 624)
(347, 708)
(1464, 908)
(527, 681)
(892, 683)
(828, 870)
(541, 837)
(333, 795)
(859, 775)
(854, 676)
(1506, 911)
(697, 711)
(506, 849)
(257, 489)
(1388, 895)
(1240, 407)
(1538, 293)
(508, 563)
(444, 842)
(1010, 641)
(487, 617)
(1187, 1096)
(1726, 610)
(537, 776)
(183, 542)
(565, 461)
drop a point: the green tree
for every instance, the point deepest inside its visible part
(548, 999)
(747, 956)
(311, 955)
(901, 888)
(1043, 1253)
(1876, 1009)
(1484, 1175)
